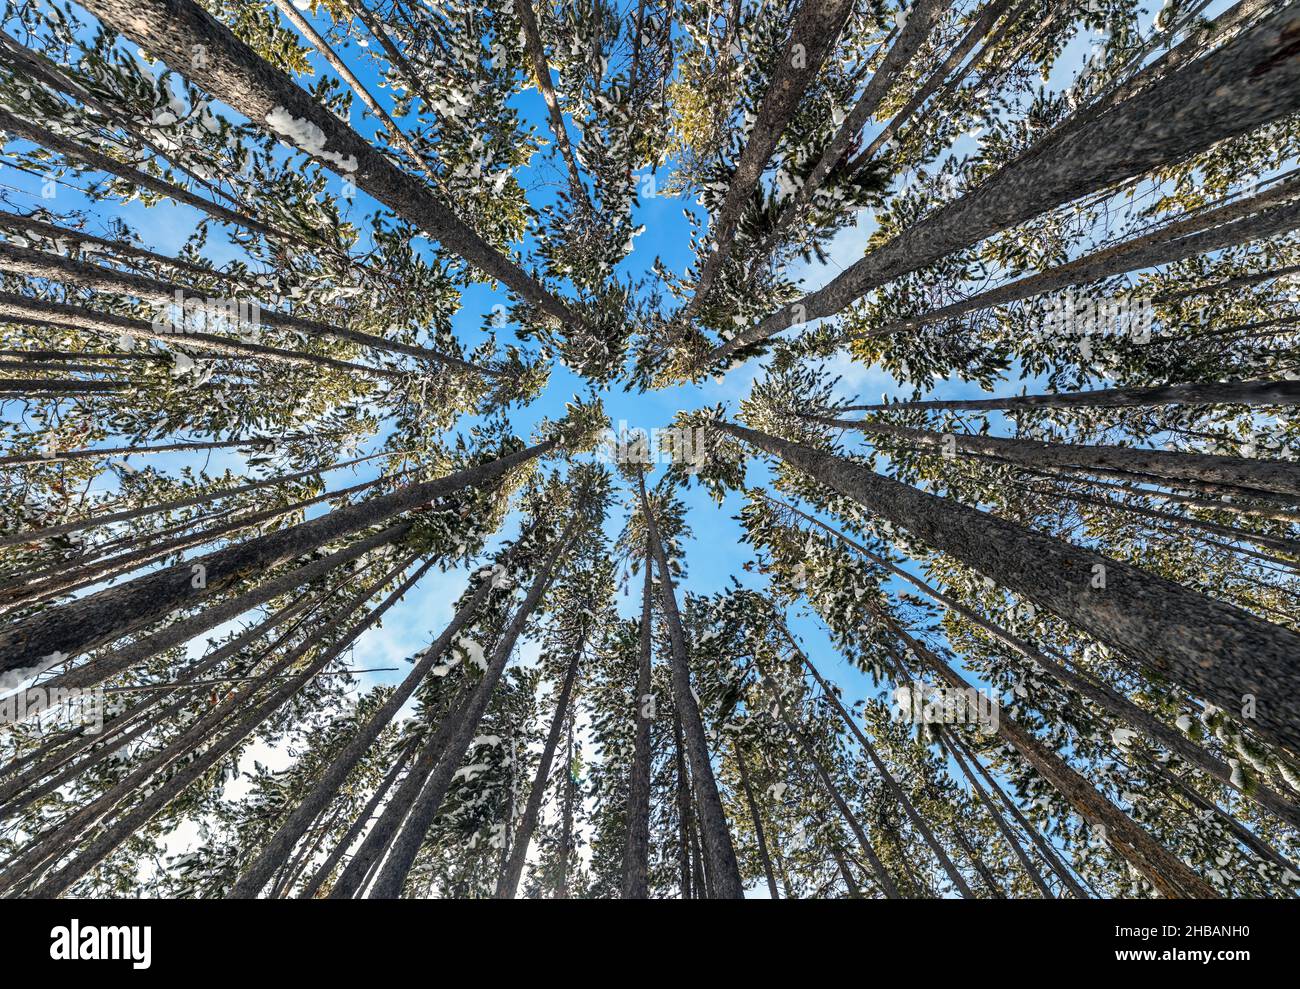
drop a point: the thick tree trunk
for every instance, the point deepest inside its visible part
(1281, 477)
(182, 630)
(1106, 698)
(1211, 649)
(1189, 110)
(233, 73)
(73, 628)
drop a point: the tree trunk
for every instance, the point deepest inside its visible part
(73, 628)
(759, 837)
(636, 853)
(1254, 474)
(1213, 650)
(402, 852)
(233, 73)
(508, 885)
(816, 28)
(1105, 697)
(252, 879)
(1274, 393)
(108, 840)
(1189, 110)
(715, 834)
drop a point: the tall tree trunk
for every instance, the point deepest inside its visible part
(108, 840)
(401, 856)
(1211, 649)
(1255, 474)
(1106, 698)
(233, 73)
(715, 834)
(508, 885)
(759, 837)
(40, 264)
(1261, 392)
(683, 809)
(73, 628)
(816, 28)
(636, 852)
(882, 770)
(887, 885)
(332, 860)
(254, 877)
(566, 821)
(1189, 110)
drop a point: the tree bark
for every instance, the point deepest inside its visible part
(402, 853)
(1211, 649)
(713, 821)
(233, 73)
(73, 628)
(636, 852)
(1189, 110)
(508, 885)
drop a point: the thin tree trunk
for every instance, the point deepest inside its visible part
(1276, 393)
(636, 853)
(392, 876)
(332, 860)
(713, 821)
(759, 837)
(109, 839)
(41, 264)
(683, 809)
(887, 884)
(508, 885)
(816, 28)
(254, 877)
(886, 776)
